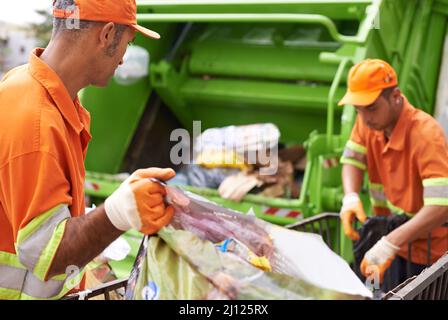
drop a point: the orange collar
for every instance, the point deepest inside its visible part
(56, 88)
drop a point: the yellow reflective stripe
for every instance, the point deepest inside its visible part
(398, 210)
(435, 201)
(356, 147)
(10, 259)
(394, 209)
(35, 224)
(435, 192)
(377, 195)
(353, 162)
(21, 284)
(375, 198)
(379, 203)
(350, 154)
(67, 287)
(9, 294)
(47, 255)
(30, 250)
(59, 277)
(433, 182)
(72, 283)
(376, 186)
(404, 213)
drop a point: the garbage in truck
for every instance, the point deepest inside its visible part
(238, 160)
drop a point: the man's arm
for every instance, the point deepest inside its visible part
(137, 204)
(428, 218)
(85, 238)
(352, 178)
(381, 255)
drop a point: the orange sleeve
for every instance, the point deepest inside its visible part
(432, 159)
(32, 184)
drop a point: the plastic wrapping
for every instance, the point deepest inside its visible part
(210, 252)
(216, 224)
(208, 178)
(230, 146)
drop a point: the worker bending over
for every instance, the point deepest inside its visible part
(405, 154)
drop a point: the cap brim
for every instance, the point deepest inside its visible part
(146, 32)
(361, 98)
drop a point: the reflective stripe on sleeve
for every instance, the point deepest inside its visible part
(36, 248)
(354, 154)
(377, 195)
(379, 199)
(16, 282)
(435, 191)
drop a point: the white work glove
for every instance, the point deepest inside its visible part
(351, 208)
(139, 202)
(379, 258)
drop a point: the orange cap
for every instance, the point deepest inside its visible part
(367, 80)
(117, 11)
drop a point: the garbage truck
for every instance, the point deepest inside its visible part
(240, 62)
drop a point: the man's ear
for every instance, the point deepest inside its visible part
(396, 96)
(107, 33)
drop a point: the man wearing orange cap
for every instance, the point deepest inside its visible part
(405, 153)
(44, 133)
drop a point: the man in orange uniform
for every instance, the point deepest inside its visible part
(405, 153)
(44, 133)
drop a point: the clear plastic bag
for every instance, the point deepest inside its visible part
(236, 146)
(223, 254)
(216, 224)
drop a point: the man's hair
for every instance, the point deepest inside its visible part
(65, 26)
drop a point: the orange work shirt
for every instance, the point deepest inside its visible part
(406, 172)
(43, 142)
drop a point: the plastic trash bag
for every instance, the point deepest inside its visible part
(210, 252)
(208, 178)
(236, 146)
(165, 275)
(216, 224)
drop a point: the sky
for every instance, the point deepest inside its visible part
(22, 12)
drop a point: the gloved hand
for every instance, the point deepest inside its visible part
(379, 258)
(351, 208)
(139, 203)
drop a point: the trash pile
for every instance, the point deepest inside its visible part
(238, 160)
(210, 252)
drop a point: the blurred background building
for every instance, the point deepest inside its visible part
(24, 25)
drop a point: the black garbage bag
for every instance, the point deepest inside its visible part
(370, 233)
